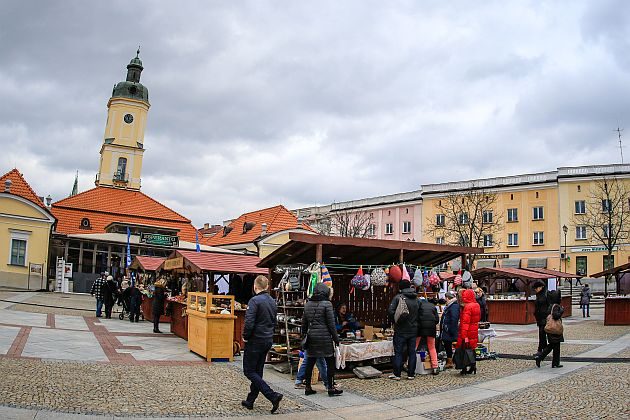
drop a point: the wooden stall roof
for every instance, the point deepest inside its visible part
(612, 271)
(301, 248)
(508, 273)
(554, 273)
(219, 262)
(146, 263)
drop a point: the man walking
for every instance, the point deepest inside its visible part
(405, 330)
(97, 292)
(260, 322)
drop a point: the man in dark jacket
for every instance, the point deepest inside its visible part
(260, 322)
(544, 300)
(97, 292)
(405, 330)
(585, 301)
(449, 327)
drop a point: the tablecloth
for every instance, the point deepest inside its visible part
(485, 333)
(364, 351)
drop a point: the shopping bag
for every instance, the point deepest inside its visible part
(463, 357)
(337, 357)
(554, 326)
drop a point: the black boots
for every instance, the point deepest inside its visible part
(309, 390)
(334, 392)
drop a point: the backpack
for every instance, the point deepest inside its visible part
(402, 310)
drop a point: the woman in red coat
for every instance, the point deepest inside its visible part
(469, 325)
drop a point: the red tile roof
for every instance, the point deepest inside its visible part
(277, 218)
(104, 205)
(147, 263)
(20, 187)
(223, 263)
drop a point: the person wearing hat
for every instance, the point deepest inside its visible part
(110, 293)
(405, 330)
(449, 327)
(544, 300)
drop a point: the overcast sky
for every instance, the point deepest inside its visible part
(299, 103)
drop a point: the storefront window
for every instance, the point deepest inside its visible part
(73, 258)
(87, 263)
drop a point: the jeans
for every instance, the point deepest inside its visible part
(254, 357)
(321, 365)
(542, 338)
(99, 307)
(586, 310)
(330, 370)
(400, 345)
(555, 358)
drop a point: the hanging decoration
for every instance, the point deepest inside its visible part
(425, 280)
(395, 274)
(405, 273)
(314, 270)
(368, 282)
(326, 278)
(457, 281)
(417, 278)
(358, 281)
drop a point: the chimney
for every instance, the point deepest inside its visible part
(206, 225)
(7, 185)
(263, 229)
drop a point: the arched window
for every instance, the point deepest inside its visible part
(121, 170)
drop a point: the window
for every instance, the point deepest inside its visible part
(539, 238)
(439, 219)
(487, 216)
(580, 266)
(606, 206)
(579, 188)
(439, 240)
(371, 230)
(511, 196)
(512, 239)
(512, 215)
(538, 213)
(487, 241)
(406, 211)
(406, 227)
(121, 170)
(536, 194)
(607, 230)
(18, 252)
(580, 207)
(609, 262)
(389, 228)
(462, 219)
(580, 232)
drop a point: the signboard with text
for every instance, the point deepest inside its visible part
(174, 263)
(159, 240)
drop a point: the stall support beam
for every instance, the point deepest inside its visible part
(401, 257)
(319, 253)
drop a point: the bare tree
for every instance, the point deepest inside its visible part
(605, 217)
(352, 223)
(467, 218)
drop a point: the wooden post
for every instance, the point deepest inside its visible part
(401, 257)
(463, 261)
(318, 253)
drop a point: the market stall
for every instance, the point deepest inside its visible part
(304, 255)
(207, 267)
(145, 268)
(560, 276)
(617, 307)
(510, 297)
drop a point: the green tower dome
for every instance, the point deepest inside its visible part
(132, 88)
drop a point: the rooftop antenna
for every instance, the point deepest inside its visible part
(619, 130)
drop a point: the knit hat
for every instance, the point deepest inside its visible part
(110, 278)
(404, 284)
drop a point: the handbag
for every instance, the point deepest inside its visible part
(554, 326)
(337, 357)
(463, 357)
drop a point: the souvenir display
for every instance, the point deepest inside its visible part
(395, 274)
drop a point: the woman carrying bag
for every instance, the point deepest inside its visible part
(320, 333)
(555, 336)
(470, 315)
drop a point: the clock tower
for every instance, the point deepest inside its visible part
(123, 143)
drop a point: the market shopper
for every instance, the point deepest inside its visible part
(110, 295)
(260, 322)
(157, 310)
(449, 327)
(318, 327)
(544, 300)
(554, 338)
(428, 320)
(469, 326)
(405, 330)
(97, 292)
(133, 298)
(321, 365)
(585, 301)
(483, 303)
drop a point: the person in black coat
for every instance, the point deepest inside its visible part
(428, 320)
(483, 303)
(133, 297)
(449, 327)
(318, 327)
(544, 300)
(405, 330)
(157, 309)
(110, 293)
(260, 322)
(553, 339)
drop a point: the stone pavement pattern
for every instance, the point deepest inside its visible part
(53, 365)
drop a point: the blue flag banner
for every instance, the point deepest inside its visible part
(197, 248)
(128, 247)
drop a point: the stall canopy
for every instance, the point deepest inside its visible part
(554, 273)
(613, 271)
(213, 261)
(304, 249)
(490, 275)
(620, 275)
(146, 263)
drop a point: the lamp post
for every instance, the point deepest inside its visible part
(565, 229)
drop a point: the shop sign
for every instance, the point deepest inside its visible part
(174, 263)
(159, 240)
(36, 268)
(492, 256)
(592, 249)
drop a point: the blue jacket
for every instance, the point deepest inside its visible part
(449, 328)
(260, 319)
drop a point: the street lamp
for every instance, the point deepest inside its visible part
(565, 229)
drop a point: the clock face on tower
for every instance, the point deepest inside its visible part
(128, 118)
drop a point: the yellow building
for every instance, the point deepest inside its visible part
(123, 142)
(526, 211)
(25, 226)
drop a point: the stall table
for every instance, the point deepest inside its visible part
(519, 311)
(147, 310)
(210, 330)
(179, 320)
(357, 352)
(617, 311)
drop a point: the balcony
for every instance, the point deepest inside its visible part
(121, 178)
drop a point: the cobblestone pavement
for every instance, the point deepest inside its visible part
(589, 330)
(529, 348)
(599, 392)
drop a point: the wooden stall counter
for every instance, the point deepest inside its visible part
(147, 310)
(179, 319)
(617, 311)
(567, 304)
(211, 325)
(511, 311)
